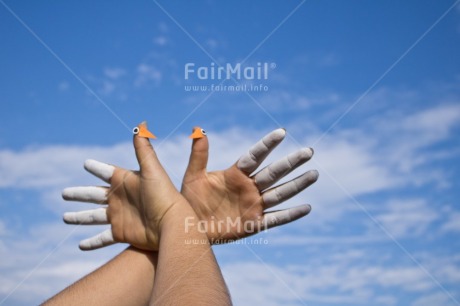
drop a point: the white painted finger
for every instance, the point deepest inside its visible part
(101, 170)
(92, 194)
(87, 217)
(99, 241)
(289, 189)
(280, 217)
(276, 171)
(257, 153)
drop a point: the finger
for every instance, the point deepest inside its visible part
(101, 170)
(143, 132)
(146, 156)
(257, 153)
(276, 171)
(199, 155)
(87, 217)
(289, 189)
(280, 217)
(99, 241)
(91, 194)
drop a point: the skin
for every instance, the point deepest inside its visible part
(125, 280)
(214, 196)
(219, 195)
(184, 272)
(230, 204)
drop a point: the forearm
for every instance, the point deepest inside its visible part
(187, 272)
(125, 280)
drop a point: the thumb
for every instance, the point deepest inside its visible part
(200, 152)
(146, 156)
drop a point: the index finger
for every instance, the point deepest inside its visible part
(258, 152)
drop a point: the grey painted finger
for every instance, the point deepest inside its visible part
(87, 217)
(276, 171)
(258, 152)
(289, 189)
(99, 241)
(280, 217)
(92, 194)
(101, 170)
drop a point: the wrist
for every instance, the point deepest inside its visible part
(174, 218)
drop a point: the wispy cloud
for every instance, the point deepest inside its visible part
(63, 266)
(408, 217)
(160, 41)
(147, 75)
(453, 222)
(357, 159)
(63, 86)
(114, 72)
(347, 278)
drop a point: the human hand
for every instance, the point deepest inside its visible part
(137, 201)
(228, 196)
(232, 202)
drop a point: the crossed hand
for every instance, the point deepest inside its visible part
(233, 196)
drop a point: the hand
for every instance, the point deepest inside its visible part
(232, 202)
(222, 196)
(138, 201)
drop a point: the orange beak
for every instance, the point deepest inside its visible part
(197, 133)
(142, 131)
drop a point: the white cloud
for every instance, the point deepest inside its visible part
(348, 279)
(212, 44)
(407, 139)
(434, 299)
(147, 75)
(107, 88)
(114, 72)
(289, 239)
(46, 259)
(433, 123)
(109, 83)
(362, 172)
(284, 101)
(3, 231)
(63, 86)
(52, 166)
(453, 223)
(367, 169)
(160, 40)
(351, 158)
(410, 217)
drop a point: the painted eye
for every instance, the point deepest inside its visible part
(203, 132)
(136, 130)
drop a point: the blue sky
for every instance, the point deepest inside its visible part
(372, 86)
